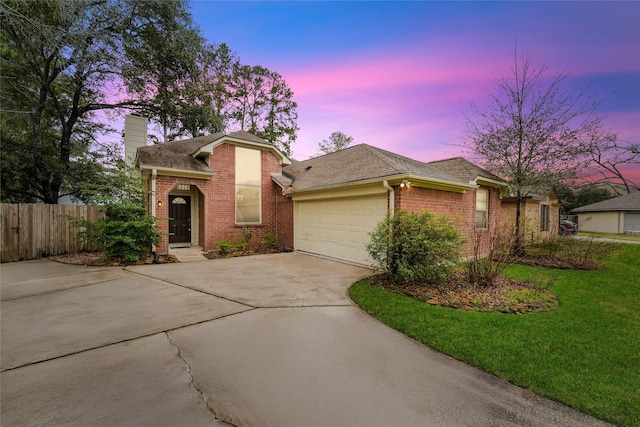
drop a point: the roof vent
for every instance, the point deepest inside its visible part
(307, 168)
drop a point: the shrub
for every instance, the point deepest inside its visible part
(580, 253)
(225, 247)
(126, 232)
(415, 247)
(270, 240)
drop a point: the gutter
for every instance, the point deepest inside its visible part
(416, 180)
(178, 172)
(154, 175)
(392, 197)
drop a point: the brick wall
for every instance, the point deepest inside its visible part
(284, 224)
(460, 207)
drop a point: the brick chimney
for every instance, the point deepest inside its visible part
(135, 135)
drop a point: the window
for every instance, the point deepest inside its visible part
(248, 186)
(544, 217)
(482, 208)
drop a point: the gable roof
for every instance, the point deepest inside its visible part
(184, 155)
(363, 162)
(628, 202)
(464, 170)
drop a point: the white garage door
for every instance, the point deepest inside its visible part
(339, 228)
(632, 222)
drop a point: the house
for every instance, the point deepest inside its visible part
(222, 186)
(540, 214)
(620, 215)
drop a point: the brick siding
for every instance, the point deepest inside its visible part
(460, 207)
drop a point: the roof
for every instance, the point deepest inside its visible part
(464, 170)
(363, 162)
(182, 155)
(551, 195)
(628, 202)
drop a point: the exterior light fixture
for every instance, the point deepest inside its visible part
(405, 183)
(159, 203)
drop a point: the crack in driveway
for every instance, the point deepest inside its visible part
(193, 384)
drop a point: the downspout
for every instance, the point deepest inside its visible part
(392, 197)
(154, 175)
(392, 209)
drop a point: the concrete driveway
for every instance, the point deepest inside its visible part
(254, 341)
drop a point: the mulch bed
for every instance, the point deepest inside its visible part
(555, 262)
(258, 250)
(97, 259)
(459, 294)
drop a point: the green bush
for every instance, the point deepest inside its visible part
(126, 232)
(415, 247)
(270, 240)
(225, 246)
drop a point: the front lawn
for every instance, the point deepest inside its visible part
(585, 354)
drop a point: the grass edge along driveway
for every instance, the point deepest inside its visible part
(585, 354)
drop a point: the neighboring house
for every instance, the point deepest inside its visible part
(221, 186)
(619, 215)
(540, 214)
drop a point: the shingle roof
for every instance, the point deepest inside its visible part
(464, 170)
(628, 202)
(179, 154)
(362, 162)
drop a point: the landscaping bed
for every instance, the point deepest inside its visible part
(97, 259)
(505, 295)
(258, 250)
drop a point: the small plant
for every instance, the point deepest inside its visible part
(225, 247)
(270, 240)
(244, 237)
(415, 247)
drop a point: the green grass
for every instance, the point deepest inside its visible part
(631, 237)
(585, 354)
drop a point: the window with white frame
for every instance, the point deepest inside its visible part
(248, 186)
(482, 208)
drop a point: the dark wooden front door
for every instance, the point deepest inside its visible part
(179, 219)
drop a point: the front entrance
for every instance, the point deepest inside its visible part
(179, 219)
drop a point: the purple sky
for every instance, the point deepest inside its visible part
(401, 75)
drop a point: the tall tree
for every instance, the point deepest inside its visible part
(533, 132)
(63, 60)
(169, 75)
(336, 142)
(262, 103)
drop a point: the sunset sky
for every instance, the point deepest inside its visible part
(401, 75)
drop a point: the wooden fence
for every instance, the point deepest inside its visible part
(31, 231)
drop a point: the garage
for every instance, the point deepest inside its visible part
(632, 222)
(338, 227)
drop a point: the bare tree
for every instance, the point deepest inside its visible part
(609, 156)
(533, 132)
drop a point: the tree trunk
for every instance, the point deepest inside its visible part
(518, 243)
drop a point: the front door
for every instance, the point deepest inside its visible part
(179, 219)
